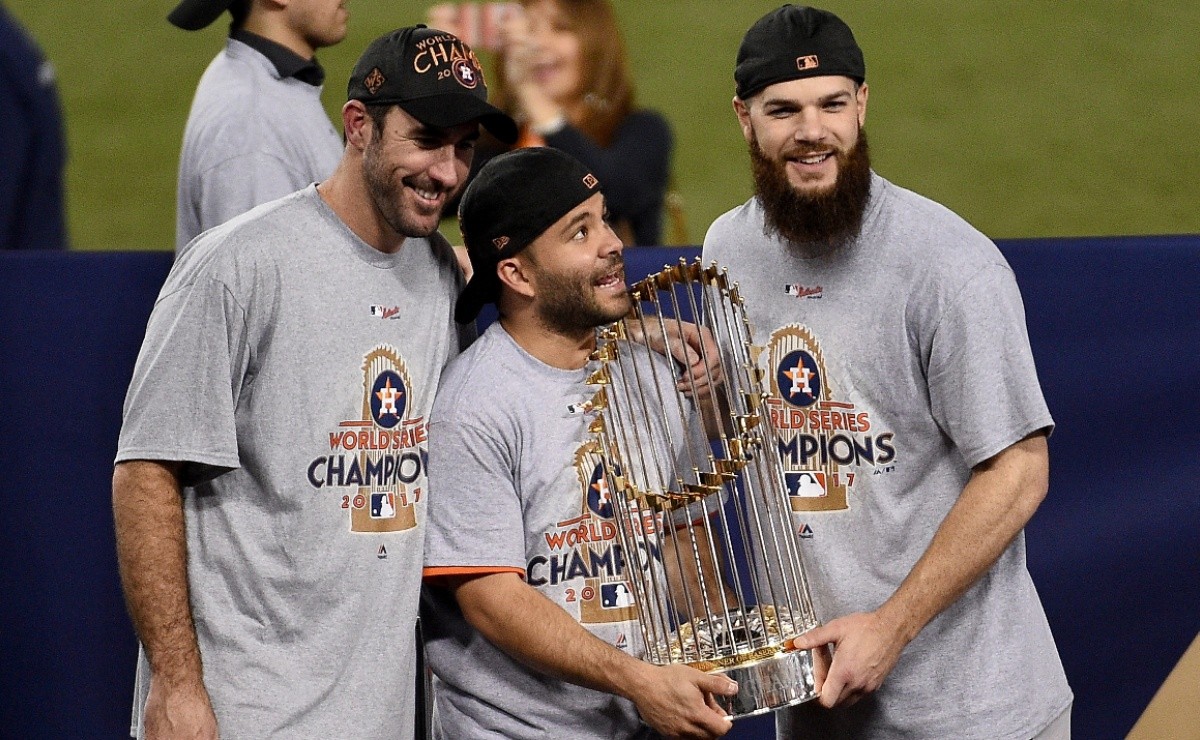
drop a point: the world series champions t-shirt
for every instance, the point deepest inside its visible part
(517, 485)
(292, 368)
(895, 366)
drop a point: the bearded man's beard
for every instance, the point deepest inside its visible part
(821, 222)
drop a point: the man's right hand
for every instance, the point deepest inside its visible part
(678, 702)
(178, 713)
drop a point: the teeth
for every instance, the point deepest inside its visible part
(815, 158)
(426, 194)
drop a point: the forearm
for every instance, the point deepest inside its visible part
(152, 558)
(997, 502)
(538, 633)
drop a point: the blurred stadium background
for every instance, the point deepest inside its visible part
(1030, 119)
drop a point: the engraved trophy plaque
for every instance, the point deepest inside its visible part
(711, 552)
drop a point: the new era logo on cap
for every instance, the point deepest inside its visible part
(500, 242)
(590, 181)
(807, 62)
(374, 81)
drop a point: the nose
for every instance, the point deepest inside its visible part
(811, 129)
(445, 170)
(612, 245)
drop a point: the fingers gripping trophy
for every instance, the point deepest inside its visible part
(711, 552)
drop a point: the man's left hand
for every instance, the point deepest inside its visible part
(865, 650)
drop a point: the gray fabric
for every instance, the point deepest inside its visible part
(292, 367)
(515, 486)
(251, 137)
(916, 367)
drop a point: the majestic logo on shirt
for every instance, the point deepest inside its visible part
(586, 550)
(377, 461)
(802, 291)
(821, 439)
(385, 312)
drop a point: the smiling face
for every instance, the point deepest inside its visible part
(412, 170)
(809, 156)
(807, 126)
(557, 67)
(577, 271)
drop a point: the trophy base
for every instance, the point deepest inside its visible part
(770, 684)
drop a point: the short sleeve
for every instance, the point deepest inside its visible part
(181, 401)
(474, 514)
(982, 380)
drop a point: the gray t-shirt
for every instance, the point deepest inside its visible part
(251, 137)
(293, 368)
(895, 366)
(518, 486)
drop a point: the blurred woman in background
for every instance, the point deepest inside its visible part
(561, 72)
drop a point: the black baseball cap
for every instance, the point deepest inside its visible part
(432, 75)
(192, 15)
(513, 199)
(793, 42)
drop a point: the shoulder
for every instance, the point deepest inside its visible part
(477, 384)
(918, 235)
(254, 244)
(647, 123)
(735, 224)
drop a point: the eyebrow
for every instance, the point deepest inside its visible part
(574, 223)
(832, 97)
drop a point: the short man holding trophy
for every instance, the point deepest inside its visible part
(529, 612)
(912, 426)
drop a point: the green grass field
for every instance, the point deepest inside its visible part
(1039, 118)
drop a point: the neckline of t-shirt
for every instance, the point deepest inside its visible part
(358, 247)
(555, 373)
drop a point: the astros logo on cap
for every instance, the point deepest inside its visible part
(374, 81)
(807, 62)
(466, 76)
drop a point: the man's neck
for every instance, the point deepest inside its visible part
(556, 349)
(273, 26)
(347, 196)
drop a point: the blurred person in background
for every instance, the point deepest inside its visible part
(562, 73)
(32, 146)
(257, 130)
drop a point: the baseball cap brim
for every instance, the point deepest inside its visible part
(445, 111)
(192, 15)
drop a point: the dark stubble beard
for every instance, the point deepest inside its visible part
(818, 223)
(568, 301)
(385, 190)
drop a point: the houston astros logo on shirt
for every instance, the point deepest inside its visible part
(824, 441)
(376, 462)
(583, 553)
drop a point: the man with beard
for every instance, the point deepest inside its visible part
(528, 631)
(270, 468)
(903, 383)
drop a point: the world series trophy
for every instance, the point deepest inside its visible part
(711, 553)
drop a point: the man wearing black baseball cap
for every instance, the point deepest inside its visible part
(513, 646)
(900, 332)
(256, 129)
(270, 479)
